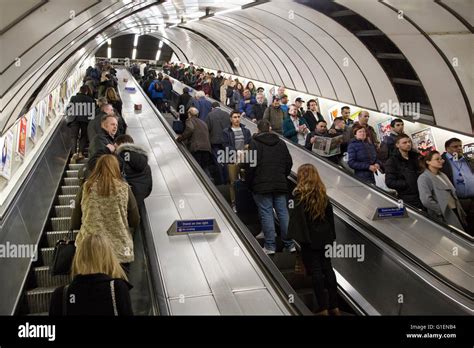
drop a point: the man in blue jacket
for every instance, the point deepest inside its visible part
(201, 103)
(246, 104)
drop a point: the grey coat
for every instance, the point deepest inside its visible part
(434, 195)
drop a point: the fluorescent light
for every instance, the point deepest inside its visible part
(90, 29)
(109, 41)
(109, 52)
(135, 41)
(158, 54)
(134, 53)
(160, 45)
(72, 43)
(229, 10)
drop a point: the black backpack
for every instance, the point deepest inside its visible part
(158, 86)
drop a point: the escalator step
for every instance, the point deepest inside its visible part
(66, 199)
(47, 255)
(38, 299)
(63, 210)
(54, 236)
(297, 281)
(72, 173)
(71, 181)
(69, 190)
(75, 166)
(284, 260)
(306, 295)
(44, 279)
(60, 223)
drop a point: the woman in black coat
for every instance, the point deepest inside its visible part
(312, 225)
(99, 286)
(134, 166)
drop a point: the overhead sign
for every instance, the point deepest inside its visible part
(193, 226)
(390, 212)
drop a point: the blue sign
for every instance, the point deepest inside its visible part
(185, 226)
(390, 212)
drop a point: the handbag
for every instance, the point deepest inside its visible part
(64, 251)
(380, 180)
(178, 126)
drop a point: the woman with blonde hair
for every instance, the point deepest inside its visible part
(312, 225)
(99, 285)
(114, 99)
(106, 205)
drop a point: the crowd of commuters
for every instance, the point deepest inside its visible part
(361, 152)
(107, 207)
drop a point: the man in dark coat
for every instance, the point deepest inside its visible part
(103, 142)
(387, 147)
(80, 111)
(217, 120)
(216, 85)
(134, 165)
(402, 171)
(268, 182)
(184, 102)
(312, 115)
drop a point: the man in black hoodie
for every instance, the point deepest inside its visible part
(134, 166)
(268, 182)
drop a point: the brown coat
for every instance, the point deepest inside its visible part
(196, 135)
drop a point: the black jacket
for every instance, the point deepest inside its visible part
(183, 102)
(217, 120)
(311, 120)
(273, 164)
(167, 89)
(229, 137)
(259, 110)
(137, 172)
(98, 147)
(402, 175)
(81, 108)
(91, 294)
(317, 233)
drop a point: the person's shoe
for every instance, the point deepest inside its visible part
(260, 235)
(291, 249)
(268, 252)
(234, 208)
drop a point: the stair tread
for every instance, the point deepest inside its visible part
(41, 289)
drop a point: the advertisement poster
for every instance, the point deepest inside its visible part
(33, 124)
(328, 146)
(42, 115)
(21, 145)
(468, 150)
(50, 103)
(423, 141)
(335, 111)
(383, 129)
(6, 144)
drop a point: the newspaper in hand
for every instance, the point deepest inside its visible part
(327, 147)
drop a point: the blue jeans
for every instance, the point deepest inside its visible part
(266, 203)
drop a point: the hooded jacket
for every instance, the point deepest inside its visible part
(273, 164)
(137, 172)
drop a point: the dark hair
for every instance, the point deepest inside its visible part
(233, 112)
(320, 121)
(338, 119)
(124, 138)
(427, 157)
(311, 101)
(215, 104)
(345, 107)
(85, 90)
(450, 141)
(185, 90)
(400, 137)
(356, 128)
(395, 120)
(263, 126)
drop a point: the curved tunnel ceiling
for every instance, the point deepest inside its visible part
(279, 42)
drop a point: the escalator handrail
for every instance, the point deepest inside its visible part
(275, 277)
